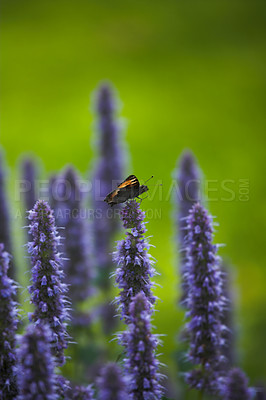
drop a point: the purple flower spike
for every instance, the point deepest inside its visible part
(82, 393)
(77, 267)
(36, 378)
(134, 264)
(111, 383)
(29, 178)
(5, 225)
(188, 179)
(236, 387)
(47, 290)
(107, 173)
(205, 302)
(141, 363)
(8, 327)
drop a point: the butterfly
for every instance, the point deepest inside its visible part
(126, 190)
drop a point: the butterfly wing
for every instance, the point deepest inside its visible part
(124, 191)
(130, 182)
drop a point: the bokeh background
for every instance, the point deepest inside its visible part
(189, 74)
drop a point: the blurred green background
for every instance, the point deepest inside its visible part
(190, 74)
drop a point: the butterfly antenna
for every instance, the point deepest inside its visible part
(148, 179)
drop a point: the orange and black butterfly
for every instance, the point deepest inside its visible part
(126, 190)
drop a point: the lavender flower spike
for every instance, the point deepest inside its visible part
(29, 177)
(141, 363)
(47, 290)
(188, 178)
(112, 385)
(134, 264)
(107, 173)
(36, 378)
(8, 327)
(236, 387)
(205, 302)
(77, 267)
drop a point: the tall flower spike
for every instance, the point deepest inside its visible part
(134, 264)
(52, 193)
(236, 387)
(188, 193)
(111, 383)
(29, 176)
(36, 377)
(47, 290)
(5, 225)
(107, 173)
(77, 266)
(205, 302)
(141, 363)
(8, 327)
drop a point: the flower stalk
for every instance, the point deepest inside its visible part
(8, 327)
(47, 288)
(134, 263)
(205, 302)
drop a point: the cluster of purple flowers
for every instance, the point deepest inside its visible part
(205, 301)
(136, 300)
(205, 294)
(236, 387)
(112, 385)
(141, 363)
(36, 378)
(134, 263)
(8, 327)
(47, 289)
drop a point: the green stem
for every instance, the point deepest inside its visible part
(200, 397)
